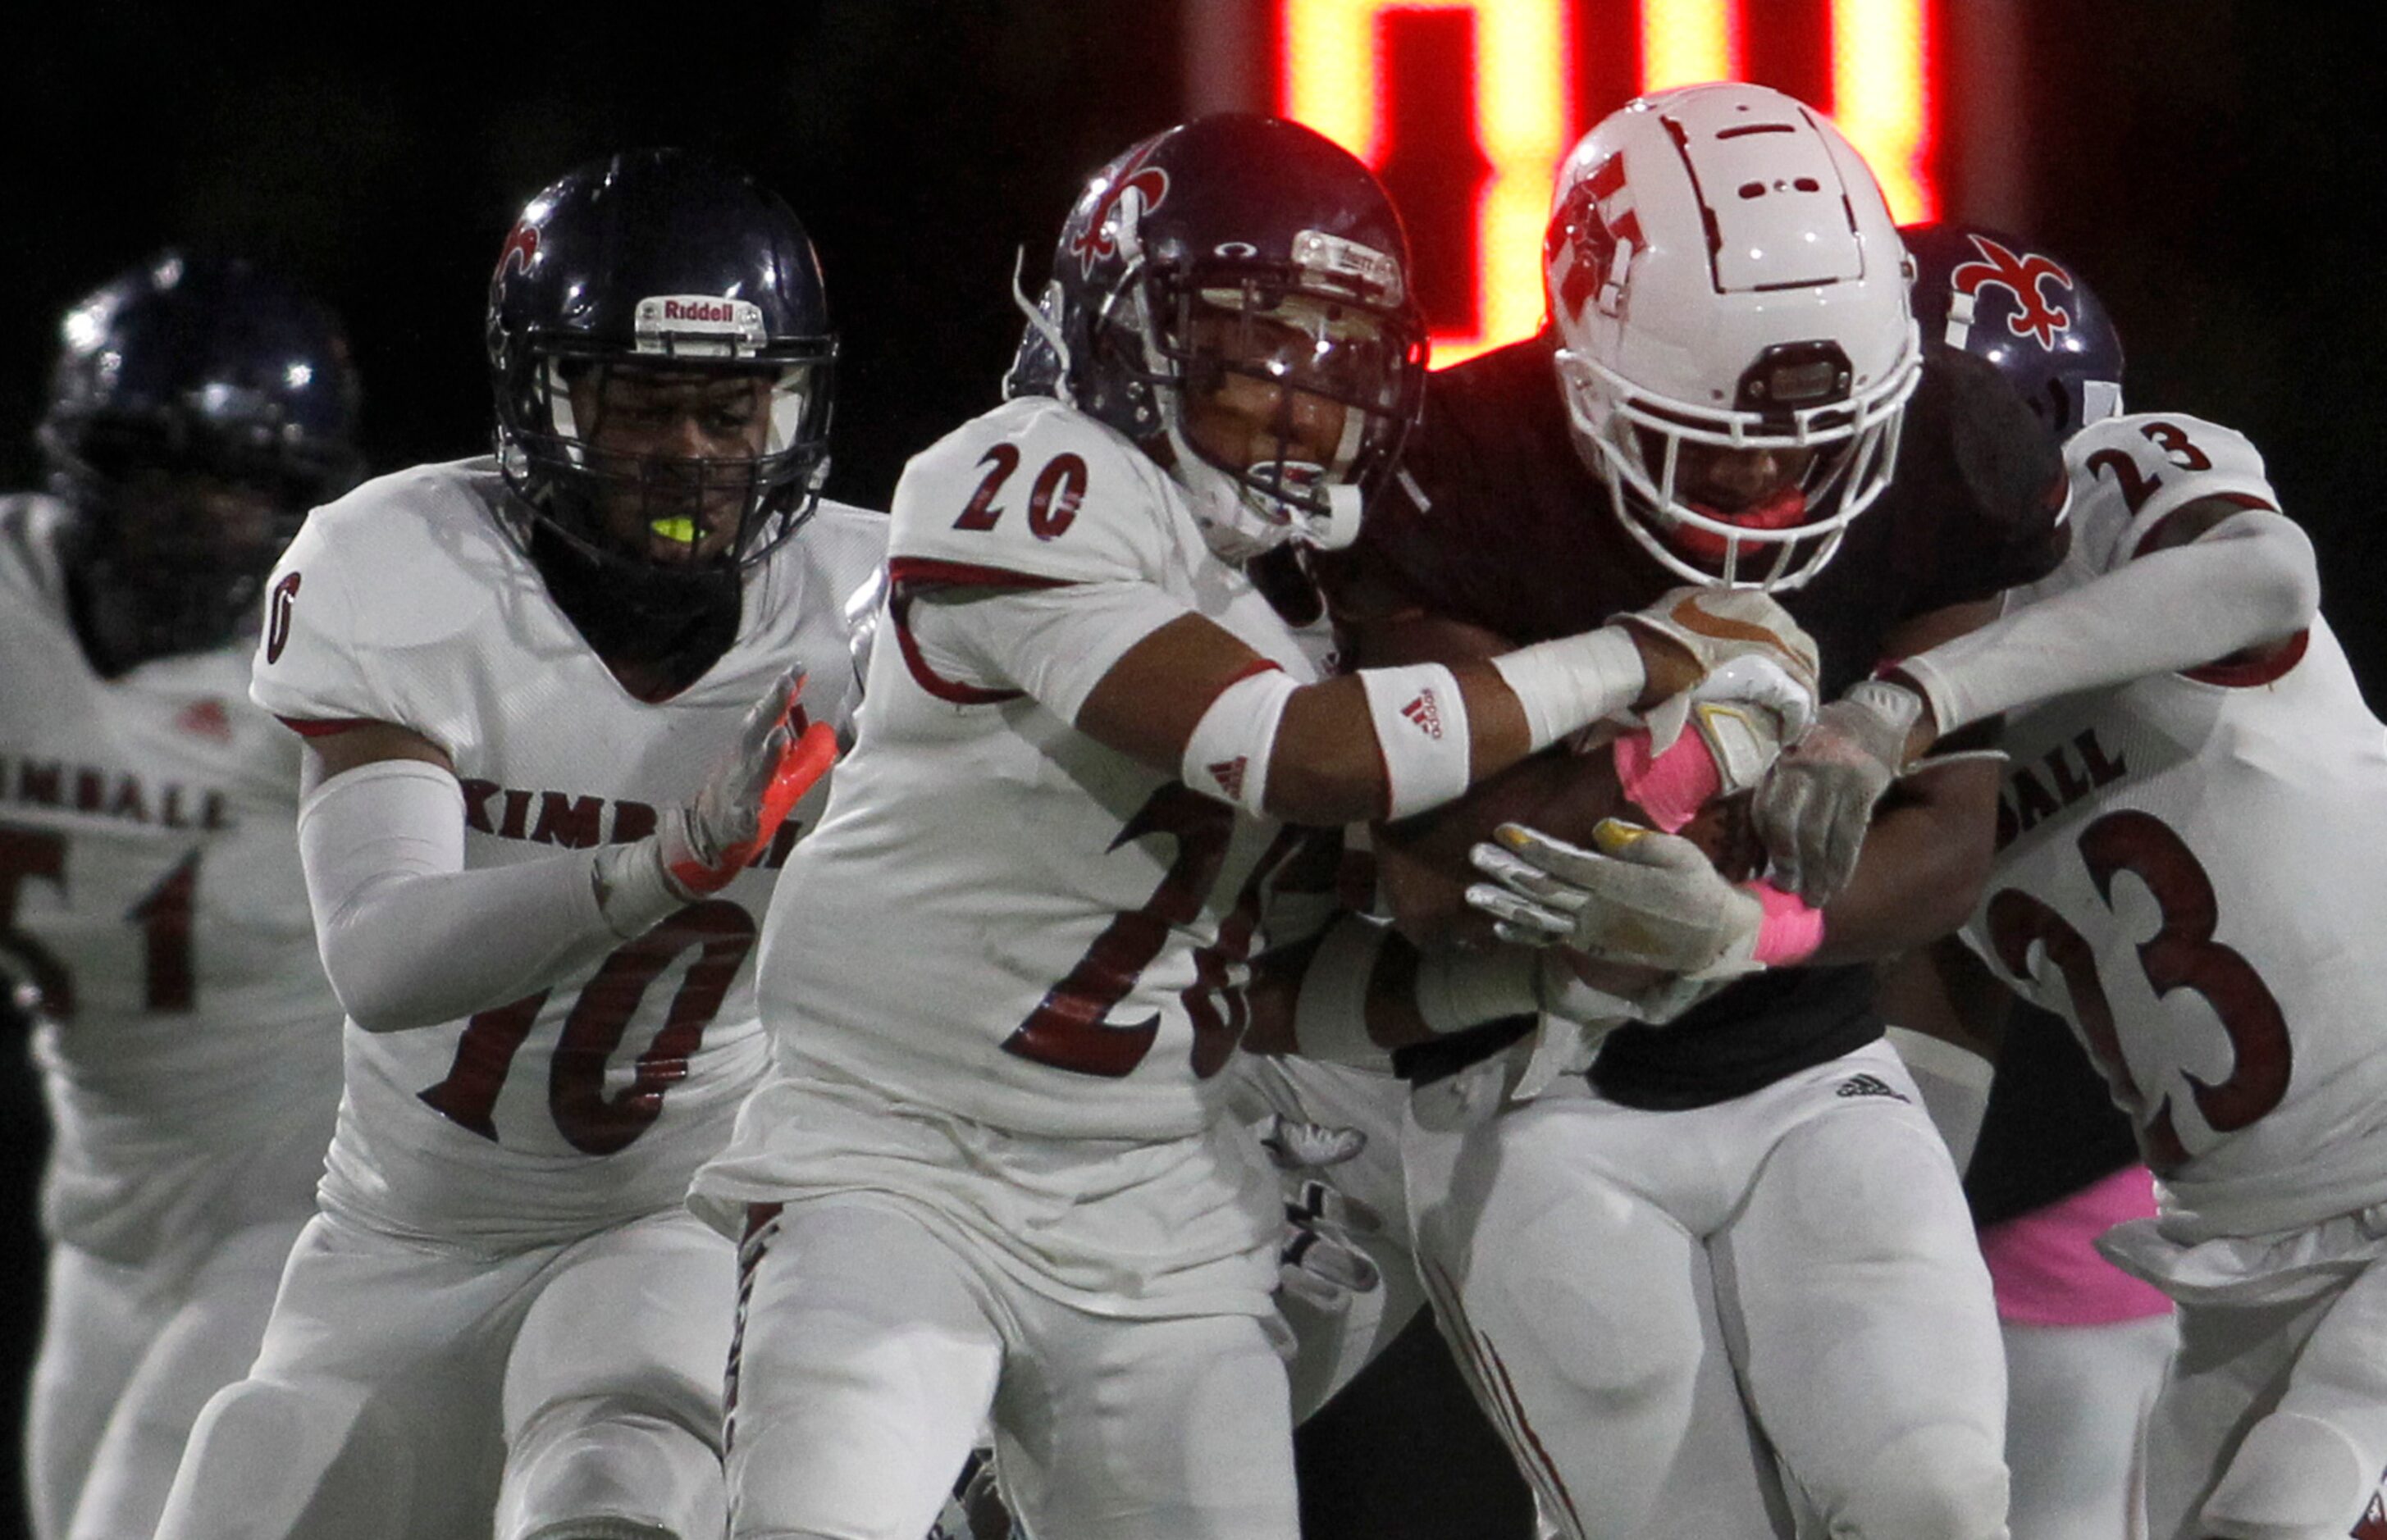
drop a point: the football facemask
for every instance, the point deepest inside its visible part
(1283, 403)
(674, 466)
(1662, 460)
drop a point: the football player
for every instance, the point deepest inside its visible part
(988, 1177)
(556, 705)
(1737, 1237)
(2186, 870)
(151, 907)
(2056, 1163)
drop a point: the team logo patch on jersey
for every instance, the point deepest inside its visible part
(1228, 773)
(1426, 712)
(2019, 275)
(1869, 1085)
(205, 718)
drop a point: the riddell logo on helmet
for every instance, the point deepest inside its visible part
(700, 324)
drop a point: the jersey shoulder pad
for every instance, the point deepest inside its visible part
(846, 545)
(2129, 474)
(1037, 491)
(1493, 517)
(403, 565)
(832, 554)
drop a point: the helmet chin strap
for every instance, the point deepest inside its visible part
(1339, 525)
(1234, 531)
(1239, 522)
(1043, 325)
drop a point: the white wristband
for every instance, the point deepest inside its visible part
(1227, 757)
(1420, 724)
(1330, 1014)
(1575, 681)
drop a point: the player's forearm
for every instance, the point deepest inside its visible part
(1391, 743)
(2249, 580)
(1926, 860)
(409, 937)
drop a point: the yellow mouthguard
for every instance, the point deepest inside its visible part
(678, 531)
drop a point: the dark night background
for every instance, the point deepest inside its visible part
(2214, 168)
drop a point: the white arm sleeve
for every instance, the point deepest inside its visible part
(409, 937)
(2250, 579)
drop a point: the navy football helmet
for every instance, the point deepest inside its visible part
(2024, 310)
(658, 265)
(1237, 249)
(197, 409)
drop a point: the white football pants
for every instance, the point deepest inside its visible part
(2077, 1401)
(870, 1353)
(127, 1361)
(2272, 1424)
(405, 1392)
(1653, 1306)
(1331, 1346)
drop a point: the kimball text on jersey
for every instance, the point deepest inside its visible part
(575, 821)
(108, 793)
(2074, 769)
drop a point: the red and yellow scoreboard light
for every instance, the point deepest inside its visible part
(1467, 107)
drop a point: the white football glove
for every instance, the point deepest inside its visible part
(701, 848)
(1744, 711)
(1643, 898)
(1319, 1260)
(1717, 626)
(1814, 807)
(1565, 997)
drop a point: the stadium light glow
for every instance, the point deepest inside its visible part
(1523, 116)
(1881, 97)
(1684, 42)
(1521, 107)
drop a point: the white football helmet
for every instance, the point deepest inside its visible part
(1724, 272)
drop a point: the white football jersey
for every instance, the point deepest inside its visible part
(999, 917)
(150, 889)
(2192, 869)
(592, 1100)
